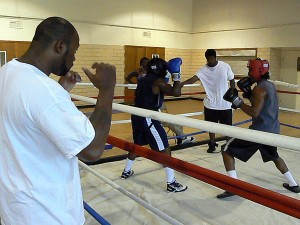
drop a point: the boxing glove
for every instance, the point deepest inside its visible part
(174, 67)
(232, 96)
(245, 86)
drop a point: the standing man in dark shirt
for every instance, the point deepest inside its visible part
(264, 113)
(149, 95)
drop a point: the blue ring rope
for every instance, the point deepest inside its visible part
(94, 214)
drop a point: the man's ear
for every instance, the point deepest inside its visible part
(60, 47)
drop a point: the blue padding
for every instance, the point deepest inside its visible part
(107, 147)
(94, 214)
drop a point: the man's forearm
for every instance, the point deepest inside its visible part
(101, 121)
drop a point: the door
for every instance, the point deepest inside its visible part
(133, 55)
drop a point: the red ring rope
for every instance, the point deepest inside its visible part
(289, 92)
(252, 192)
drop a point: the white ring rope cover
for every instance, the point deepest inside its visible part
(276, 140)
(157, 212)
(132, 86)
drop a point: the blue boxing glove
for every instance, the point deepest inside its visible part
(174, 67)
(232, 96)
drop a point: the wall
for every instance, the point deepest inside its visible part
(106, 22)
(289, 74)
(186, 28)
(244, 24)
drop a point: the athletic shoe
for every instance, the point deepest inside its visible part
(188, 140)
(295, 189)
(127, 174)
(175, 187)
(225, 194)
(211, 147)
(179, 141)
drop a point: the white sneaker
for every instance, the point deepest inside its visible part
(188, 140)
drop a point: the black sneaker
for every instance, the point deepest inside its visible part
(179, 141)
(211, 147)
(127, 174)
(295, 189)
(225, 194)
(175, 187)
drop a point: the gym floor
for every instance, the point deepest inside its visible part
(198, 205)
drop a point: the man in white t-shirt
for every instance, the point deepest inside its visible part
(214, 77)
(43, 133)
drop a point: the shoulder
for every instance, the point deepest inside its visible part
(259, 91)
(223, 64)
(201, 70)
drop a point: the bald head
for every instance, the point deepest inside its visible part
(53, 29)
(53, 47)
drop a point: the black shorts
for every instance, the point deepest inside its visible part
(218, 116)
(244, 150)
(149, 131)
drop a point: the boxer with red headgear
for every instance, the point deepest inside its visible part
(257, 68)
(263, 109)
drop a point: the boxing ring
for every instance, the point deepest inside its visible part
(197, 207)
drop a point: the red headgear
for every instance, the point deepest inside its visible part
(257, 68)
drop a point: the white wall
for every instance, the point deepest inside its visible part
(115, 22)
(246, 24)
(289, 74)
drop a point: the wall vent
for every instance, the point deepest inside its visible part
(147, 34)
(16, 24)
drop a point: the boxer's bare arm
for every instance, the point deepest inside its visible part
(191, 80)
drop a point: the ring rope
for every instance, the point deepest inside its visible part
(133, 86)
(280, 83)
(94, 214)
(290, 110)
(289, 92)
(288, 125)
(203, 132)
(252, 192)
(130, 86)
(261, 137)
(130, 195)
(277, 82)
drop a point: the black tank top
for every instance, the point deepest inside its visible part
(144, 96)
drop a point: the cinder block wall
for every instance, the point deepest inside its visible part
(193, 60)
(87, 55)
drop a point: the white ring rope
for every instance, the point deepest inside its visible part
(277, 82)
(157, 212)
(132, 86)
(290, 110)
(185, 114)
(280, 83)
(276, 140)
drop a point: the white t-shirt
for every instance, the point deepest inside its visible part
(215, 82)
(42, 131)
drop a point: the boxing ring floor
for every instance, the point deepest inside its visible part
(196, 206)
